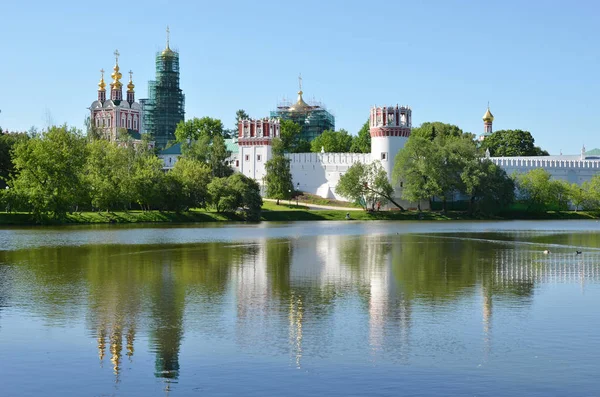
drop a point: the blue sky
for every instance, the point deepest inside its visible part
(537, 62)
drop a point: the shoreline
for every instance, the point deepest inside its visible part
(273, 213)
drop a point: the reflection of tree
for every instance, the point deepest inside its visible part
(168, 299)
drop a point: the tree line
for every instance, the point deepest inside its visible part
(62, 170)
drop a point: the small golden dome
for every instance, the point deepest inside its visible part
(300, 105)
(488, 117)
(102, 84)
(130, 86)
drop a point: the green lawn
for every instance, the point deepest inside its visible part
(273, 212)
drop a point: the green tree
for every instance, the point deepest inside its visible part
(195, 128)
(7, 167)
(194, 177)
(108, 173)
(50, 171)
(366, 185)
(248, 196)
(362, 141)
(332, 142)
(591, 192)
(431, 130)
(290, 135)
(417, 167)
(240, 115)
(540, 193)
(147, 181)
(278, 177)
(218, 154)
(577, 195)
(489, 188)
(236, 192)
(508, 143)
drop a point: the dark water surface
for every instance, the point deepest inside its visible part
(298, 309)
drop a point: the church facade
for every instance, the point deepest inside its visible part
(114, 114)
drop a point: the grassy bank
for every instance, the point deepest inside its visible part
(274, 212)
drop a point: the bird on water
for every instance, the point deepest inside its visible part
(577, 252)
(546, 252)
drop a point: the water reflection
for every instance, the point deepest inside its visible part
(301, 297)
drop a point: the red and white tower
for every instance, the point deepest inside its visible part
(390, 128)
(255, 139)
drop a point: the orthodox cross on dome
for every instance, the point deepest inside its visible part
(116, 57)
(130, 75)
(102, 72)
(168, 34)
(300, 81)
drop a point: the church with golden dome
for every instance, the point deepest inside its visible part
(114, 115)
(313, 117)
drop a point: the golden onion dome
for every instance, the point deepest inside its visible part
(130, 86)
(102, 84)
(116, 75)
(488, 117)
(300, 105)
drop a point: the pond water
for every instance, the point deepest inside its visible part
(303, 308)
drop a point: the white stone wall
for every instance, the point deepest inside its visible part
(252, 160)
(567, 169)
(319, 173)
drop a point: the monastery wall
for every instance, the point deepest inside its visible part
(570, 170)
(319, 173)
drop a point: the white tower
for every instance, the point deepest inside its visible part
(254, 139)
(390, 129)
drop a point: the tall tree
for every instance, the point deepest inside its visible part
(195, 128)
(50, 171)
(278, 178)
(332, 142)
(217, 157)
(362, 141)
(508, 143)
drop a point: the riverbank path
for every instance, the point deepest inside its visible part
(316, 207)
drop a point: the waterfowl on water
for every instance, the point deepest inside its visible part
(546, 252)
(577, 252)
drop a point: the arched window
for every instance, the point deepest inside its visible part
(135, 123)
(129, 123)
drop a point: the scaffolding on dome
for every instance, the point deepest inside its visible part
(313, 119)
(165, 106)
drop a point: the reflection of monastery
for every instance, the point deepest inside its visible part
(306, 297)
